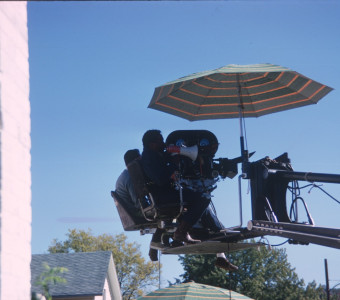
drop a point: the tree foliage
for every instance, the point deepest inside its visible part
(263, 274)
(134, 273)
(50, 276)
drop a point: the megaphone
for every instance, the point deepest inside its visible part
(190, 152)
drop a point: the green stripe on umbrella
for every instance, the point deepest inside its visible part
(192, 290)
(255, 90)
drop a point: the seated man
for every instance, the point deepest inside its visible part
(124, 187)
(160, 170)
(126, 192)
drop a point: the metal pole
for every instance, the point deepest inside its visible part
(305, 176)
(240, 107)
(159, 270)
(244, 152)
(327, 281)
(240, 199)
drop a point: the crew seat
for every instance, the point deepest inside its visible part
(151, 213)
(131, 220)
(151, 210)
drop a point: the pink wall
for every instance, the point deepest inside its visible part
(15, 157)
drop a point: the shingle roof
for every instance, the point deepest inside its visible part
(85, 276)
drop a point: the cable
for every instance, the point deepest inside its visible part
(313, 185)
(318, 186)
(300, 188)
(295, 190)
(277, 245)
(293, 208)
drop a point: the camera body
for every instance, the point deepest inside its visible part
(202, 173)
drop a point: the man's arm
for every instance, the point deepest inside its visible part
(156, 169)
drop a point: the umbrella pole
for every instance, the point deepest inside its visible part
(244, 152)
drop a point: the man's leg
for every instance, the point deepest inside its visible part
(209, 220)
(196, 205)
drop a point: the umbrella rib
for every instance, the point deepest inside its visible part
(169, 92)
(182, 100)
(212, 88)
(204, 96)
(159, 94)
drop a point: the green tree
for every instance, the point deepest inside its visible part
(135, 275)
(263, 274)
(313, 291)
(50, 276)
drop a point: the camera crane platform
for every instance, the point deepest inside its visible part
(230, 241)
(270, 179)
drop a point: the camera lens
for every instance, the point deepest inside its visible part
(180, 143)
(204, 142)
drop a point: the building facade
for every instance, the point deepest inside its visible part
(15, 157)
(87, 275)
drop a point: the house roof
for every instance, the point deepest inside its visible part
(85, 276)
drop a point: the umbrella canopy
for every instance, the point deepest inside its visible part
(192, 290)
(253, 90)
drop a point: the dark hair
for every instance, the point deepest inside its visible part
(131, 155)
(151, 136)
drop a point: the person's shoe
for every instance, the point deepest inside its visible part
(185, 238)
(225, 264)
(182, 234)
(153, 254)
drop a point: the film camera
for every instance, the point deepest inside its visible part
(197, 149)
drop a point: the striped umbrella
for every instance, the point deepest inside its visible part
(237, 91)
(252, 90)
(192, 290)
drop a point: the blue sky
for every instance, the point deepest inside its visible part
(93, 70)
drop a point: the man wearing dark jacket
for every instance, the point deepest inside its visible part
(160, 171)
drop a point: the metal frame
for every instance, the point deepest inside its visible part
(302, 234)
